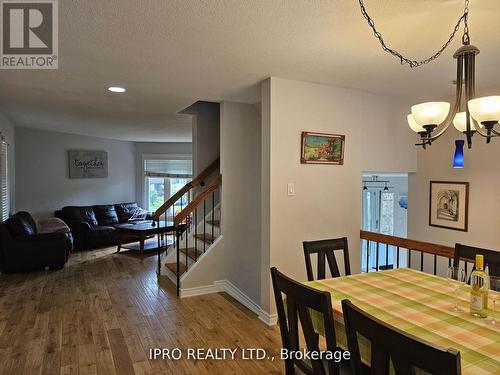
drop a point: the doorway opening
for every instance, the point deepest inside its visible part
(385, 205)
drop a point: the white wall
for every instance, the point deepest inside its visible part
(327, 203)
(154, 148)
(482, 171)
(237, 255)
(240, 168)
(206, 133)
(8, 131)
(42, 182)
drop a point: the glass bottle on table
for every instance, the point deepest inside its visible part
(479, 282)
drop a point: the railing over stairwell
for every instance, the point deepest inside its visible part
(402, 251)
(193, 219)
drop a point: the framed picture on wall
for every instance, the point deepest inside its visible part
(322, 148)
(88, 164)
(449, 205)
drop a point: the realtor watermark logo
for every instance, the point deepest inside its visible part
(29, 34)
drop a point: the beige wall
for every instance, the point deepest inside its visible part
(482, 171)
(327, 203)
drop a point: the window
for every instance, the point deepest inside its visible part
(4, 183)
(164, 178)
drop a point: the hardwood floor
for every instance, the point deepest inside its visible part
(103, 312)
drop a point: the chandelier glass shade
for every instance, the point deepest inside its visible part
(485, 109)
(416, 127)
(431, 113)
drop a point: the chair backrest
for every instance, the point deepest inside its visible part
(491, 257)
(300, 300)
(326, 249)
(390, 344)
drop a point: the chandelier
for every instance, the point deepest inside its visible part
(468, 114)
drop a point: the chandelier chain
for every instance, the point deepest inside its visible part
(416, 63)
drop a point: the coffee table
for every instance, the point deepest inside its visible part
(142, 230)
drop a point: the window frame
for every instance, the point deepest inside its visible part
(145, 182)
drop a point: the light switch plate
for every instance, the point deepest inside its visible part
(290, 188)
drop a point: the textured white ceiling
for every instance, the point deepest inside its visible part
(170, 53)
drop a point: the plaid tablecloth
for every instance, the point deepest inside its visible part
(420, 304)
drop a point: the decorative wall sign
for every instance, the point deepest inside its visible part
(449, 205)
(88, 164)
(321, 148)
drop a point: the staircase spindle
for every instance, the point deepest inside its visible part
(187, 249)
(213, 212)
(368, 244)
(204, 225)
(196, 233)
(178, 260)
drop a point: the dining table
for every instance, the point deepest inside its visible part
(421, 305)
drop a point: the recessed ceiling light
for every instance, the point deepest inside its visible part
(116, 89)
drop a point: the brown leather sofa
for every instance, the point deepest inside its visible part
(94, 226)
(24, 248)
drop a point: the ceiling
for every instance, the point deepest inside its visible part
(169, 54)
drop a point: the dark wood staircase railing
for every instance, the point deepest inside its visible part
(186, 189)
(387, 243)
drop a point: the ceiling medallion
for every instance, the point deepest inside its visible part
(469, 114)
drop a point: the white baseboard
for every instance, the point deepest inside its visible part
(236, 293)
(199, 290)
(269, 319)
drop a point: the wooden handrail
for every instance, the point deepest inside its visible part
(181, 216)
(197, 181)
(405, 243)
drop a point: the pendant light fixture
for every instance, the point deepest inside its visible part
(377, 184)
(468, 113)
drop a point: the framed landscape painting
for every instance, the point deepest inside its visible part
(321, 148)
(449, 205)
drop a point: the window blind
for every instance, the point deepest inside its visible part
(4, 186)
(168, 168)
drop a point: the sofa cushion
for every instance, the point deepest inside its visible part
(76, 214)
(101, 236)
(21, 224)
(125, 210)
(105, 214)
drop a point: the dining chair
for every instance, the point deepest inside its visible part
(300, 301)
(326, 249)
(389, 344)
(491, 257)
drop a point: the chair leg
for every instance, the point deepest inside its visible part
(289, 367)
